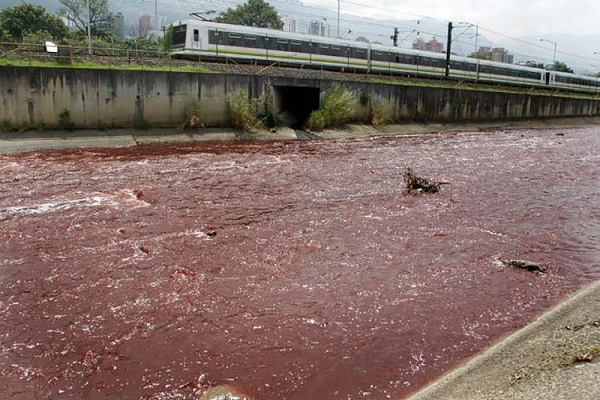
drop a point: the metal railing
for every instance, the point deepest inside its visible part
(72, 55)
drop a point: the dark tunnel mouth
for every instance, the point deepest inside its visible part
(295, 103)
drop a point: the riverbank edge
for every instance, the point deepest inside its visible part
(553, 357)
(30, 141)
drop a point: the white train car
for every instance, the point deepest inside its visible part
(205, 40)
(210, 40)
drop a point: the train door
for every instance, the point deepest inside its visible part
(196, 39)
(547, 78)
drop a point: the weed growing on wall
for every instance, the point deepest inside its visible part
(64, 120)
(271, 116)
(244, 112)
(192, 116)
(6, 126)
(336, 109)
(380, 114)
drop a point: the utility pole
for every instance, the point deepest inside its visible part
(394, 37)
(338, 21)
(156, 22)
(89, 26)
(448, 49)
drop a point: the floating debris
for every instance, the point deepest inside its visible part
(415, 184)
(224, 392)
(210, 233)
(526, 265)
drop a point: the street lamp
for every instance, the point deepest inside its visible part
(554, 43)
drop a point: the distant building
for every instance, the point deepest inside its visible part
(290, 24)
(118, 26)
(316, 28)
(433, 45)
(145, 25)
(498, 54)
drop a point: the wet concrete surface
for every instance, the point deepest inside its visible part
(288, 270)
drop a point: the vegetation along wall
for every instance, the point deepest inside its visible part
(103, 98)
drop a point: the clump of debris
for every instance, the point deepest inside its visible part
(526, 265)
(415, 184)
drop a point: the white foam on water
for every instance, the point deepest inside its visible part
(115, 200)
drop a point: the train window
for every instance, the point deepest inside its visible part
(234, 39)
(296, 46)
(213, 37)
(406, 59)
(196, 35)
(337, 51)
(280, 44)
(359, 53)
(323, 49)
(306, 47)
(461, 66)
(250, 41)
(375, 55)
(178, 37)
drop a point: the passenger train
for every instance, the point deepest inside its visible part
(194, 39)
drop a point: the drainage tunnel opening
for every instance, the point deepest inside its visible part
(295, 104)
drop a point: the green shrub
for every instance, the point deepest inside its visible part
(420, 116)
(244, 112)
(317, 120)
(192, 116)
(64, 120)
(380, 114)
(336, 109)
(6, 126)
(271, 116)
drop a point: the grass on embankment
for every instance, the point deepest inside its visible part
(89, 65)
(490, 89)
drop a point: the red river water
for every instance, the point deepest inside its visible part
(289, 270)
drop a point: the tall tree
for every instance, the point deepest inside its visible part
(165, 42)
(26, 19)
(256, 13)
(562, 67)
(77, 12)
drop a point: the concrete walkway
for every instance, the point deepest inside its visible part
(19, 142)
(555, 357)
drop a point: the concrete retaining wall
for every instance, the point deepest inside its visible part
(35, 97)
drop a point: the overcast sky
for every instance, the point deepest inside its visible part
(511, 17)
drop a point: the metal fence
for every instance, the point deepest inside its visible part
(68, 55)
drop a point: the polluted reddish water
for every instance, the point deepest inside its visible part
(286, 270)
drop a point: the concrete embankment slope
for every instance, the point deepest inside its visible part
(554, 357)
(17, 142)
